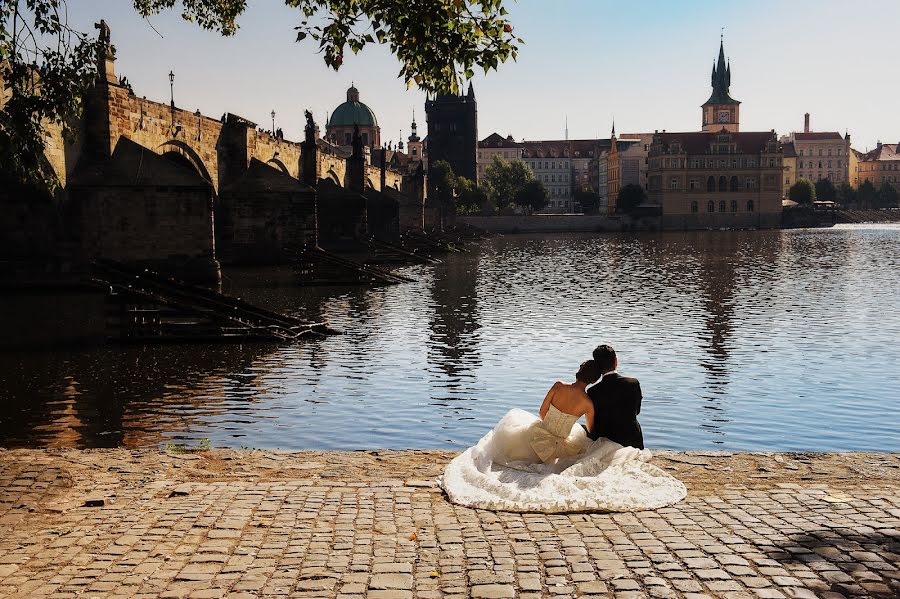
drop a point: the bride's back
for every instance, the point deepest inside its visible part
(567, 398)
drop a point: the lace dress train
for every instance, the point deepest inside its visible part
(528, 465)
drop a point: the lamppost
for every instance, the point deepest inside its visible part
(273, 122)
(172, 88)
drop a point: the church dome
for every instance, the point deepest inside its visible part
(352, 112)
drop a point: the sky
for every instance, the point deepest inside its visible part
(645, 64)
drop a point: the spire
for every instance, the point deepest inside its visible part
(721, 78)
(471, 93)
(613, 128)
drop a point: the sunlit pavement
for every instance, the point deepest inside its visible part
(372, 524)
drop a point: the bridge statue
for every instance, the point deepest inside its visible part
(310, 129)
(105, 39)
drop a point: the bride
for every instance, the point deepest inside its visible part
(549, 463)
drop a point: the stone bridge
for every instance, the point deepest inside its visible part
(219, 149)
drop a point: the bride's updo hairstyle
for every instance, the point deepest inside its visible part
(589, 372)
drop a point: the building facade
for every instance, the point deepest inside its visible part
(453, 132)
(790, 166)
(881, 165)
(718, 180)
(551, 163)
(719, 177)
(820, 155)
(493, 145)
(347, 116)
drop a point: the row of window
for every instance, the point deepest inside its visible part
(548, 164)
(713, 185)
(711, 206)
(820, 152)
(884, 166)
(544, 178)
(809, 164)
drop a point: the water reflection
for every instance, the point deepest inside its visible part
(772, 340)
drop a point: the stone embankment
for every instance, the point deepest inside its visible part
(221, 523)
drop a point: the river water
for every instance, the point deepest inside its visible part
(757, 340)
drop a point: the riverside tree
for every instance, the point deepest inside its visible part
(887, 195)
(630, 197)
(503, 180)
(531, 195)
(803, 192)
(825, 190)
(47, 66)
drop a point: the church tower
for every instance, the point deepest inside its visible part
(721, 111)
(414, 146)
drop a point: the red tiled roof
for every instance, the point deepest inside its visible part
(789, 150)
(575, 148)
(885, 152)
(495, 140)
(699, 142)
(817, 136)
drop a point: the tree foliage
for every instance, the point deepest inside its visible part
(471, 198)
(803, 192)
(504, 180)
(47, 66)
(846, 195)
(630, 197)
(589, 201)
(444, 182)
(531, 195)
(867, 194)
(825, 190)
(887, 195)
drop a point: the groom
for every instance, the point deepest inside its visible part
(617, 402)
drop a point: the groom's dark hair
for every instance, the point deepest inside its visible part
(605, 357)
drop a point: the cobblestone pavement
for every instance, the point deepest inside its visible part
(254, 524)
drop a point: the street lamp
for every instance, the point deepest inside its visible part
(172, 88)
(273, 122)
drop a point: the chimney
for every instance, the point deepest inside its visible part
(806, 123)
(383, 168)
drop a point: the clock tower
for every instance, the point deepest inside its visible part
(721, 111)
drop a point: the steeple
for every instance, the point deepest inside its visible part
(414, 134)
(613, 134)
(471, 93)
(721, 111)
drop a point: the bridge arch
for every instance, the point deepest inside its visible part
(185, 154)
(369, 183)
(332, 176)
(274, 162)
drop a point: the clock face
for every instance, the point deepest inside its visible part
(724, 116)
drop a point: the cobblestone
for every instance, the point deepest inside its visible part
(257, 524)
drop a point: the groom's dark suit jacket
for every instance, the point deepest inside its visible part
(617, 402)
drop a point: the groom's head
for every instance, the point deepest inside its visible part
(605, 357)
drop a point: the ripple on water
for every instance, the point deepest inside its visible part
(770, 340)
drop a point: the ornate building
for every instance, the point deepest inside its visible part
(881, 165)
(718, 177)
(721, 111)
(496, 145)
(453, 132)
(339, 130)
(821, 154)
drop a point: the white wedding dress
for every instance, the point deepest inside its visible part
(528, 465)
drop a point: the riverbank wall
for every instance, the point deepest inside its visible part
(560, 223)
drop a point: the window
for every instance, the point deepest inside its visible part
(734, 184)
(722, 206)
(801, 152)
(673, 184)
(695, 208)
(415, 152)
(749, 205)
(348, 139)
(723, 184)
(711, 206)
(711, 185)
(734, 205)
(694, 184)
